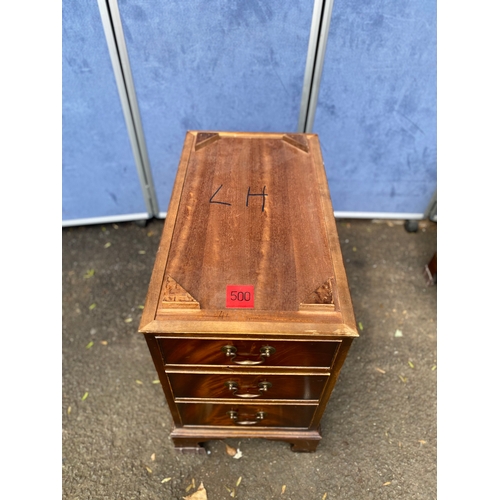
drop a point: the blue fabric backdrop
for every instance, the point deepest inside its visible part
(239, 65)
(99, 176)
(376, 113)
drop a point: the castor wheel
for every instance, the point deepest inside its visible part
(141, 223)
(411, 226)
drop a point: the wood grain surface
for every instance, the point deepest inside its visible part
(250, 214)
(247, 415)
(247, 386)
(196, 351)
(250, 209)
(248, 316)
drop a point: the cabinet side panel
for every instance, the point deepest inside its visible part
(156, 355)
(337, 365)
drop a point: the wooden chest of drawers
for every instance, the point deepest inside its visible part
(248, 316)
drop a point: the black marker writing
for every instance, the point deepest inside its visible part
(218, 202)
(263, 194)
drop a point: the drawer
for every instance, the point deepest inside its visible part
(246, 415)
(210, 386)
(245, 353)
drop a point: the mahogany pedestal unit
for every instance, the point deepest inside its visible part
(248, 316)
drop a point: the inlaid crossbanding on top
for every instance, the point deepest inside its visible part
(174, 296)
(297, 140)
(204, 139)
(322, 297)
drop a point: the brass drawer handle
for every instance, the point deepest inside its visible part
(233, 415)
(265, 352)
(263, 387)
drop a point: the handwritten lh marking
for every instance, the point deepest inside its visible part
(263, 194)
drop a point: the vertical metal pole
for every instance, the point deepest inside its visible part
(320, 27)
(318, 65)
(115, 39)
(310, 60)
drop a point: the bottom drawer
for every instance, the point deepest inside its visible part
(246, 415)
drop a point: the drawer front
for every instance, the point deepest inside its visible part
(246, 415)
(209, 386)
(245, 353)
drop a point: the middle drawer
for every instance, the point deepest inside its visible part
(247, 386)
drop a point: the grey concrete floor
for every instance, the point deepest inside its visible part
(379, 429)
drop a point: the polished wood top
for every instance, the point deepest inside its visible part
(250, 237)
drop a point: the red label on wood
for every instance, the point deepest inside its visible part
(239, 296)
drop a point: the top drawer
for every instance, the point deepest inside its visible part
(247, 353)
